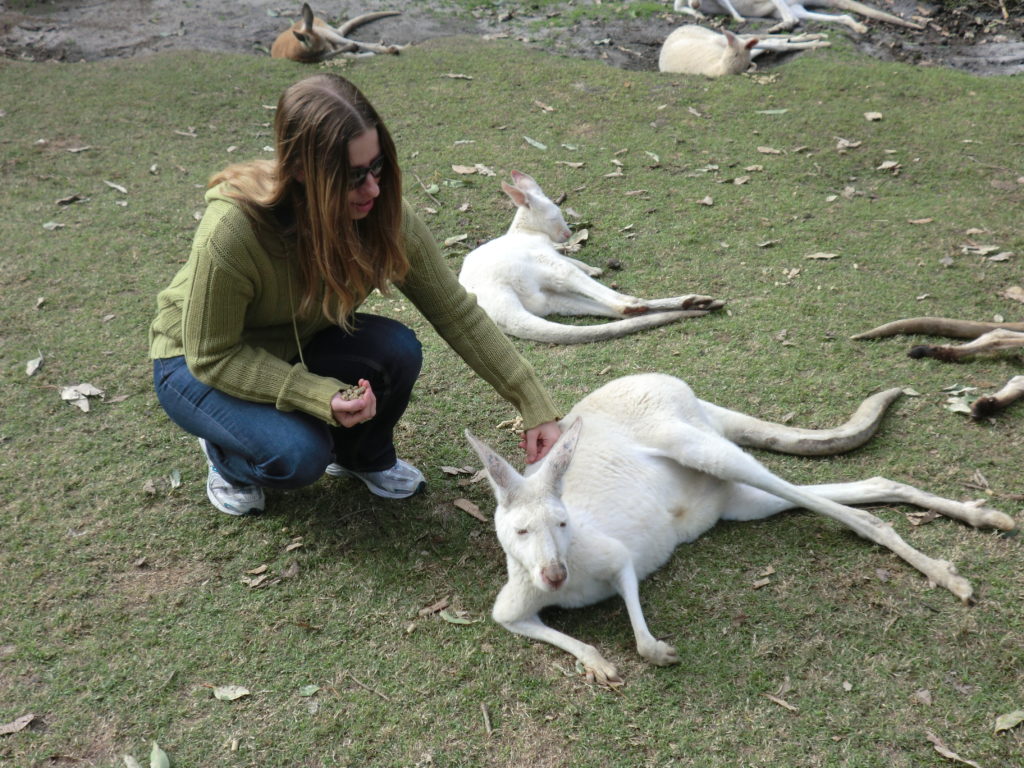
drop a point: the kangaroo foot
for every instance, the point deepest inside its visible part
(695, 301)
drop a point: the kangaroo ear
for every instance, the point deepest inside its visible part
(503, 476)
(524, 181)
(516, 194)
(558, 459)
(307, 17)
(751, 43)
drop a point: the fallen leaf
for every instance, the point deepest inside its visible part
(50, 226)
(1004, 256)
(69, 199)
(464, 169)
(290, 571)
(945, 751)
(131, 762)
(458, 470)
(872, 116)
(706, 201)
(569, 164)
(761, 583)
(257, 570)
(889, 165)
(920, 221)
(118, 187)
(16, 725)
(33, 365)
(79, 394)
(822, 256)
(483, 170)
(770, 111)
(457, 76)
(440, 605)
(230, 692)
(535, 143)
(1014, 292)
(308, 690)
(455, 239)
(769, 151)
(922, 696)
(844, 144)
(158, 758)
(1009, 720)
(979, 250)
(781, 702)
(452, 618)
(543, 106)
(470, 508)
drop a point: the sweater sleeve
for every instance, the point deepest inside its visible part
(433, 288)
(230, 271)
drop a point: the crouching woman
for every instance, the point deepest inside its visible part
(257, 342)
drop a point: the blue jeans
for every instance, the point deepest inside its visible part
(256, 444)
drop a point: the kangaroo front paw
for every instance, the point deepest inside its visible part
(695, 301)
(660, 653)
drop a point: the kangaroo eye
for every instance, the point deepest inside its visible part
(522, 531)
(562, 524)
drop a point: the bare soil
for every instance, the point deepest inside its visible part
(978, 40)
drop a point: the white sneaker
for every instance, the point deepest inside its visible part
(232, 499)
(400, 482)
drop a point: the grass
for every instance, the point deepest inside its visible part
(125, 595)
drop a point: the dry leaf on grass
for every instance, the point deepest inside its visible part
(16, 725)
(820, 256)
(1014, 292)
(1009, 720)
(158, 758)
(440, 605)
(471, 509)
(946, 752)
(79, 394)
(33, 365)
(230, 692)
(781, 702)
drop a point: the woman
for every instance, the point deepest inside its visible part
(257, 339)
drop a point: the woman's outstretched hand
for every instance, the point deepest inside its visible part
(348, 413)
(538, 440)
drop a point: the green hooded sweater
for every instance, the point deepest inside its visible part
(229, 311)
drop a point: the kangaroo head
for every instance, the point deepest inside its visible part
(736, 58)
(309, 37)
(532, 523)
(536, 213)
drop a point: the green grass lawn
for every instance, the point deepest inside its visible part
(127, 599)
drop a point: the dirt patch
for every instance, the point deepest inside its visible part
(977, 39)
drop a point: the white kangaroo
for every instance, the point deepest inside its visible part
(311, 39)
(790, 12)
(695, 50)
(520, 277)
(642, 466)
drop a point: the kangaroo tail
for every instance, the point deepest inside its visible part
(873, 13)
(937, 326)
(754, 433)
(533, 328)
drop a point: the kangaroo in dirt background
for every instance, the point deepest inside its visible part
(520, 277)
(695, 50)
(644, 465)
(311, 39)
(790, 13)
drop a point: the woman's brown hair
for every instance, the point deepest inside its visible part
(341, 260)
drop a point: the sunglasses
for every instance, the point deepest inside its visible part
(357, 174)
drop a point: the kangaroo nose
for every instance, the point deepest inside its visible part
(554, 574)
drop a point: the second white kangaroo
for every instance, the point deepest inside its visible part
(695, 50)
(644, 465)
(520, 278)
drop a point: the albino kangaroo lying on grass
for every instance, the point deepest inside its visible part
(519, 278)
(790, 12)
(311, 39)
(696, 50)
(642, 466)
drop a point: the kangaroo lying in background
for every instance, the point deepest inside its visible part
(696, 50)
(642, 466)
(789, 12)
(988, 338)
(311, 39)
(520, 277)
